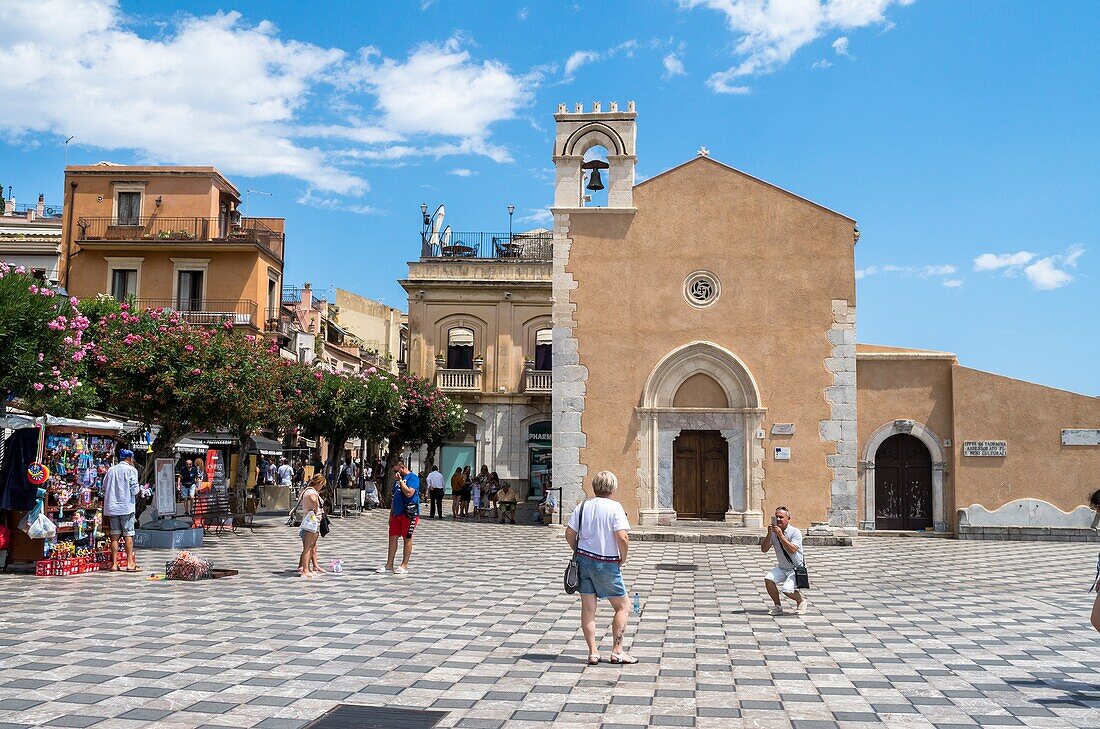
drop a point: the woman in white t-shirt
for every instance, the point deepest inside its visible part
(598, 532)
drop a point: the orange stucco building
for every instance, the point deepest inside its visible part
(705, 351)
(170, 237)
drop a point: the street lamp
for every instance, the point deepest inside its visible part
(511, 209)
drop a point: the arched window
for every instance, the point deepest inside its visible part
(544, 341)
(460, 349)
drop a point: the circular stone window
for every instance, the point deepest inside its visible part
(701, 289)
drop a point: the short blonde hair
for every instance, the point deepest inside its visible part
(604, 483)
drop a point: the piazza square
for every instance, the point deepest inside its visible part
(904, 632)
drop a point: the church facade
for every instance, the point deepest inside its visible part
(705, 351)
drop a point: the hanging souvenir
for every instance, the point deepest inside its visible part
(38, 473)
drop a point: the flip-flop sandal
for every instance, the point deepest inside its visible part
(624, 660)
(133, 569)
(594, 662)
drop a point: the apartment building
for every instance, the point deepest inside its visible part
(30, 236)
(171, 237)
(479, 327)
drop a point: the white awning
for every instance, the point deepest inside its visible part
(544, 336)
(460, 338)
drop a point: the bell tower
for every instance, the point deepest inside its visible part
(578, 132)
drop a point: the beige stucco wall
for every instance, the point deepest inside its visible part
(377, 325)
(1030, 418)
(781, 261)
(904, 389)
(234, 271)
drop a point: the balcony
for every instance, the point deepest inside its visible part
(158, 229)
(536, 247)
(458, 380)
(208, 312)
(538, 382)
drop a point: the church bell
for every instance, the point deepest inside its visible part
(595, 182)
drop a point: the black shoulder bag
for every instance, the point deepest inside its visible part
(572, 570)
(801, 575)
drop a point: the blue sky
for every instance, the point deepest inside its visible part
(961, 136)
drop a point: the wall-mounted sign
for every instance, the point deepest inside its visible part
(782, 453)
(994, 448)
(782, 428)
(1081, 436)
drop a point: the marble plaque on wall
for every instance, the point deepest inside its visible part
(1081, 436)
(992, 448)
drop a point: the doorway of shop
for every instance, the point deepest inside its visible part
(452, 457)
(700, 475)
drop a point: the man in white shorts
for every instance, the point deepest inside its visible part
(787, 542)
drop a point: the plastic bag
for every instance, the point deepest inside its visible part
(41, 528)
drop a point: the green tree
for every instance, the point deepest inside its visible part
(352, 405)
(44, 345)
(427, 417)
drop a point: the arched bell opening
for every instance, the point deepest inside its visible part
(595, 177)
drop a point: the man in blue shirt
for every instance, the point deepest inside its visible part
(404, 516)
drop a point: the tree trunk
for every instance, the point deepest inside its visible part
(429, 459)
(241, 485)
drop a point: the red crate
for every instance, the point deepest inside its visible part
(43, 568)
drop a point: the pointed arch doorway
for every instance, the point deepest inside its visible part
(903, 484)
(697, 457)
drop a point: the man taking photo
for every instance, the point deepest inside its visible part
(787, 542)
(404, 516)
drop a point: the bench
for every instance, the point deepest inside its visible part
(213, 508)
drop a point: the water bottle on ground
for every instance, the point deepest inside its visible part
(637, 604)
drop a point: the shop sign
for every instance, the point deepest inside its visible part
(782, 453)
(782, 428)
(1081, 436)
(166, 487)
(989, 448)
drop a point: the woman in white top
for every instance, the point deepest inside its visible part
(598, 532)
(311, 525)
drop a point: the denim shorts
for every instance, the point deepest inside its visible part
(602, 579)
(122, 525)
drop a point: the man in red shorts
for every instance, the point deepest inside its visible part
(404, 516)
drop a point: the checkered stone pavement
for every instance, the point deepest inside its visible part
(901, 632)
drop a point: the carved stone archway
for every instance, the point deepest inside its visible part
(661, 422)
(939, 468)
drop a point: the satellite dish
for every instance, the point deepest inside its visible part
(437, 225)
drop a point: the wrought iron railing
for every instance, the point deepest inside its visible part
(207, 312)
(458, 380)
(494, 246)
(538, 381)
(157, 228)
(48, 211)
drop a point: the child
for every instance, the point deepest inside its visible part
(477, 498)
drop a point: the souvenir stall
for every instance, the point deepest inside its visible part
(64, 462)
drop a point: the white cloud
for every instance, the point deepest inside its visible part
(674, 65)
(539, 216)
(582, 58)
(1044, 274)
(770, 32)
(462, 172)
(823, 63)
(523, 13)
(219, 90)
(309, 199)
(840, 45)
(439, 89)
(938, 270)
(943, 270)
(994, 261)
